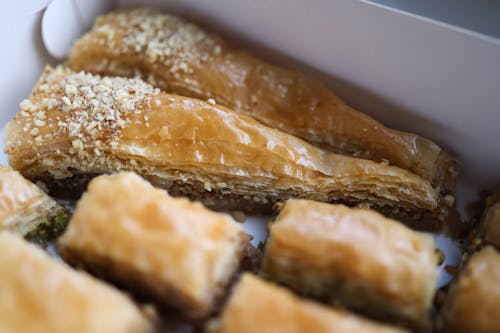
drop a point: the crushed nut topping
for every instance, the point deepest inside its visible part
(90, 104)
(162, 38)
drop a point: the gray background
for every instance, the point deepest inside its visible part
(482, 16)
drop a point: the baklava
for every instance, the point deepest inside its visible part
(355, 257)
(77, 125)
(26, 210)
(169, 250)
(179, 57)
(40, 294)
(474, 299)
(256, 306)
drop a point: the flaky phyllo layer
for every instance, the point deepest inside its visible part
(180, 57)
(256, 305)
(26, 210)
(170, 250)
(42, 294)
(76, 125)
(355, 257)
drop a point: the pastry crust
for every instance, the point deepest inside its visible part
(259, 306)
(179, 57)
(25, 209)
(170, 249)
(78, 125)
(474, 299)
(40, 294)
(354, 256)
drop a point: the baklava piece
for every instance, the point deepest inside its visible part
(40, 294)
(167, 249)
(179, 57)
(76, 125)
(355, 257)
(26, 210)
(473, 302)
(256, 306)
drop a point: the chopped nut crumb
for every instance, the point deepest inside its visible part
(77, 145)
(239, 216)
(27, 106)
(161, 38)
(207, 186)
(39, 122)
(440, 256)
(449, 200)
(89, 104)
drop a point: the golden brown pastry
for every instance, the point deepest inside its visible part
(179, 57)
(353, 256)
(474, 299)
(40, 294)
(170, 249)
(76, 125)
(26, 210)
(256, 306)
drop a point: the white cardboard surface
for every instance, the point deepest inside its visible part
(411, 73)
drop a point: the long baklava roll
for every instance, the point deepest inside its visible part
(77, 125)
(181, 58)
(167, 249)
(256, 306)
(473, 302)
(26, 210)
(355, 257)
(39, 294)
